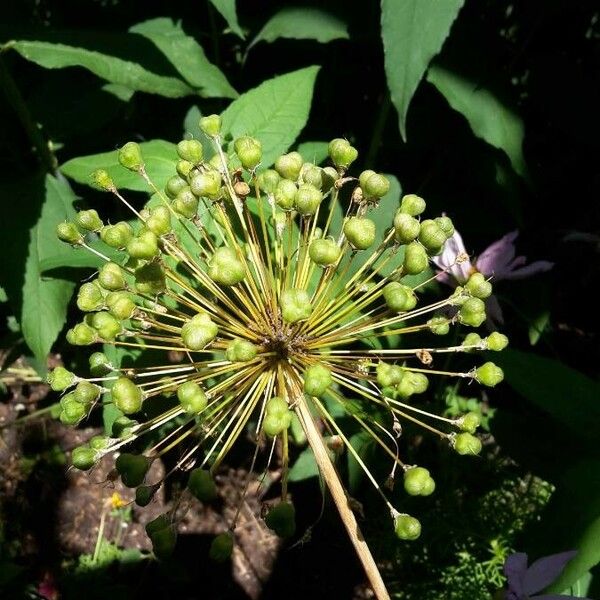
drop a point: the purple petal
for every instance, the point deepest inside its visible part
(515, 567)
(496, 257)
(539, 266)
(493, 312)
(446, 261)
(545, 570)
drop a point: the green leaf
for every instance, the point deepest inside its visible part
(363, 444)
(40, 303)
(302, 23)
(228, 12)
(51, 55)
(274, 112)
(569, 396)
(186, 56)
(191, 128)
(571, 521)
(315, 152)
(159, 156)
(304, 467)
(489, 118)
(538, 326)
(413, 32)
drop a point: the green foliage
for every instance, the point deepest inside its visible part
(413, 32)
(228, 12)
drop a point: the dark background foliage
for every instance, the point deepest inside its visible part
(539, 58)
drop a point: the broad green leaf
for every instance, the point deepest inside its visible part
(302, 23)
(569, 396)
(315, 152)
(489, 118)
(274, 112)
(413, 32)
(159, 157)
(40, 303)
(304, 467)
(186, 56)
(191, 129)
(228, 12)
(52, 55)
(571, 521)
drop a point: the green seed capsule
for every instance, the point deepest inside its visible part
(210, 125)
(99, 442)
(117, 235)
(72, 411)
(102, 180)
(328, 176)
(360, 232)
(489, 374)
(307, 199)
(399, 297)
(206, 184)
(130, 156)
(185, 203)
(82, 335)
(239, 350)
(107, 326)
(439, 325)
(111, 277)
(342, 154)
(469, 422)
(273, 425)
(295, 305)
(83, 458)
(86, 393)
(200, 331)
(60, 379)
(478, 286)
(432, 236)
(317, 378)
(406, 228)
(277, 406)
(389, 375)
(312, 174)
(412, 205)
(324, 252)
(190, 150)
(446, 225)
(362, 178)
(159, 221)
(473, 339)
(150, 279)
(282, 519)
(202, 485)
(99, 364)
(163, 542)
(407, 527)
(285, 194)
(127, 396)
(184, 168)
(415, 259)
(175, 185)
(472, 312)
(289, 165)
(225, 267)
(90, 297)
(221, 547)
(89, 220)
(268, 181)
(120, 305)
(123, 427)
(418, 482)
(192, 397)
(144, 246)
(68, 232)
(375, 186)
(497, 341)
(144, 494)
(249, 151)
(132, 468)
(465, 444)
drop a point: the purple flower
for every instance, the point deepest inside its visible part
(497, 261)
(523, 581)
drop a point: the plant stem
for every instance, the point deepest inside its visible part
(338, 494)
(17, 102)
